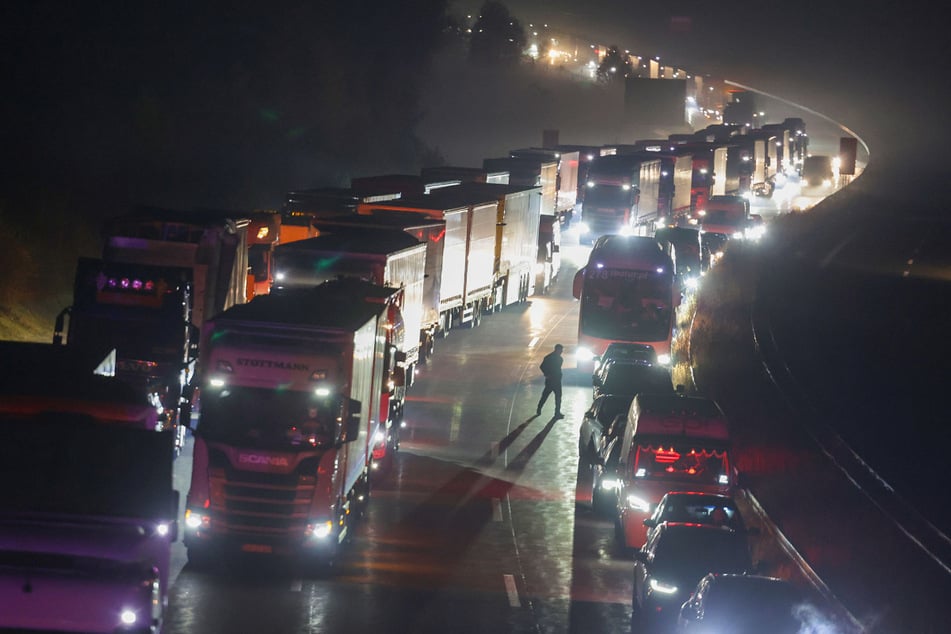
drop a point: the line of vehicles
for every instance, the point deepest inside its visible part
(287, 341)
(284, 340)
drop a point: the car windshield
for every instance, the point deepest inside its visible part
(272, 419)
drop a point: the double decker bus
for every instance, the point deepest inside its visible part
(629, 293)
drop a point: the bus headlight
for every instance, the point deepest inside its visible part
(584, 354)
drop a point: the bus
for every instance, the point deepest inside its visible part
(629, 293)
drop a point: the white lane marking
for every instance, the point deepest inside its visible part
(533, 342)
(296, 585)
(496, 510)
(512, 591)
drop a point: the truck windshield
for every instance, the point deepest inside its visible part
(682, 462)
(268, 418)
(67, 465)
(627, 305)
(609, 196)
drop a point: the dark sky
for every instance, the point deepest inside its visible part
(229, 103)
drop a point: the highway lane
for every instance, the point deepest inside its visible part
(483, 525)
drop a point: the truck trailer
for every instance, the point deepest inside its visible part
(516, 237)
(291, 409)
(468, 263)
(430, 232)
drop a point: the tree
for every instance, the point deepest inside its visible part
(615, 66)
(497, 37)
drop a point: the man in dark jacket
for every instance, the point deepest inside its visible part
(551, 368)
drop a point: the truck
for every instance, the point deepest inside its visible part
(430, 232)
(445, 173)
(264, 234)
(382, 256)
(566, 195)
(468, 258)
(89, 516)
(676, 176)
(620, 197)
(548, 261)
(532, 171)
(161, 274)
(517, 220)
(291, 410)
(728, 218)
(708, 174)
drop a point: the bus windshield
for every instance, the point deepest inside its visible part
(627, 305)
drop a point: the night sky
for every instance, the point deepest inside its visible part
(229, 104)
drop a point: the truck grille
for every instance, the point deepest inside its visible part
(263, 504)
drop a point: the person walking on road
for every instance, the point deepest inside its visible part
(551, 368)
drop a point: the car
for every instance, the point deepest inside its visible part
(745, 604)
(596, 420)
(673, 561)
(630, 377)
(638, 352)
(699, 508)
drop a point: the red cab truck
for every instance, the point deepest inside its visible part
(291, 391)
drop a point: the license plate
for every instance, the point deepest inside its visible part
(256, 548)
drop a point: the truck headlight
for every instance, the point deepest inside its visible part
(321, 530)
(196, 519)
(128, 617)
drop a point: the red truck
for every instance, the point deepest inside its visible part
(291, 408)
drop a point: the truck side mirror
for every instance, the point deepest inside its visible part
(352, 429)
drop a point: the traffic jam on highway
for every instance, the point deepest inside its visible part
(278, 351)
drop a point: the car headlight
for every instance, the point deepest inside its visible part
(637, 504)
(739, 235)
(692, 283)
(610, 484)
(196, 519)
(584, 354)
(663, 588)
(663, 359)
(583, 227)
